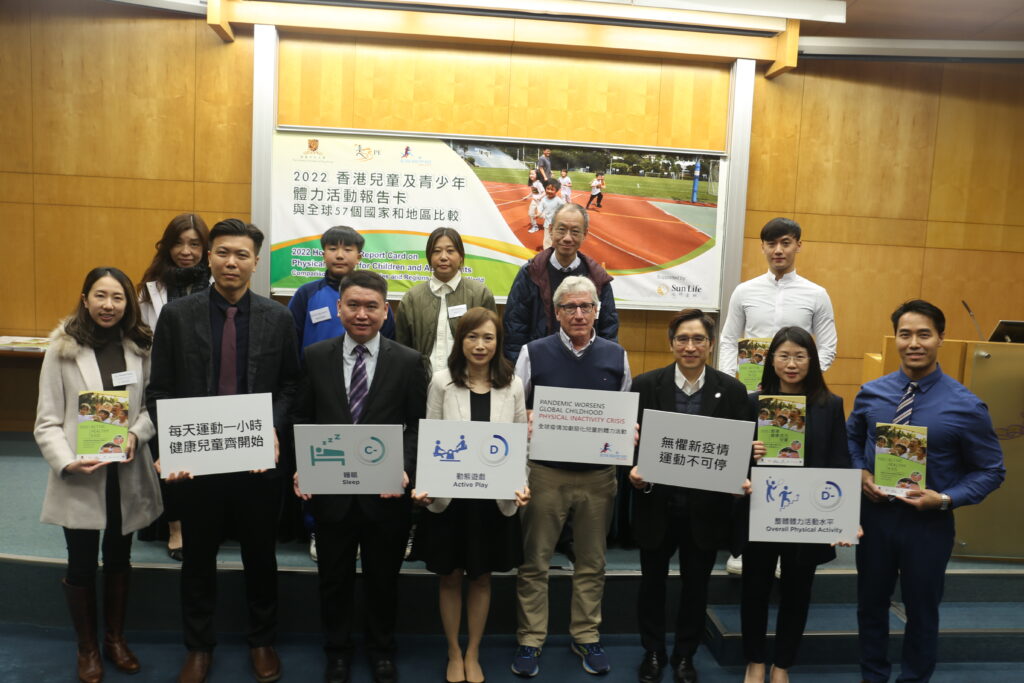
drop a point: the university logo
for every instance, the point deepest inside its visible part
(313, 145)
(827, 497)
(495, 451)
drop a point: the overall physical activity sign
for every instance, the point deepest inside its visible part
(349, 458)
(583, 425)
(804, 505)
(471, 459)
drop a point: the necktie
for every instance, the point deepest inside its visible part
(359, 386)
(906, 405)
(228, 381)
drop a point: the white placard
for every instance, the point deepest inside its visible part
(471, 459)
(216, 434)
(349, 458)
(806, 505)
(583, 425)
(698, 452)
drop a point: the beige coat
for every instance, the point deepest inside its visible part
(445, 401)
(78, 501)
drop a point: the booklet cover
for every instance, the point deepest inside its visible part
(102, 425)
(750, 359)
(901, 454)
(780, 425)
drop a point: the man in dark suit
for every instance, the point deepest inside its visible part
(665, 518)
(362, 378)
(222, 341)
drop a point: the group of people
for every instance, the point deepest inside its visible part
(338, 355)
(548, 193)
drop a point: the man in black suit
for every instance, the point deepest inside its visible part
(362, 378)
(665, 518)
(222, 341)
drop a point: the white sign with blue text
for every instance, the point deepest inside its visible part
(349, 458)
(583, 425)
(471, 459)
(806, 505)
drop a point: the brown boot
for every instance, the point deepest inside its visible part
(115, 603)
(82, 605)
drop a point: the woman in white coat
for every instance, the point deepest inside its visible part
(470, 536)
(102, 346)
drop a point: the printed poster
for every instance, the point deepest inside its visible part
(805, 505)
(781, 421)
(349, 458)
(901, 456)
(751, 356)
(471, 459)
(102, 425)
(583, 425)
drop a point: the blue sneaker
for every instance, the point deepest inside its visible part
(595, 661)
(526, 661)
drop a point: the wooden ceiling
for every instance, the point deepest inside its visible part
(926, 20)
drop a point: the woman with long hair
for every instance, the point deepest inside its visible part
(471, 537)
(102, 346)
(791, 368)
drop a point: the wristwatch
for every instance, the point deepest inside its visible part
(946, 501)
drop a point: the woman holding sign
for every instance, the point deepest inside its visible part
(792, 369)
(102, 346)
(467, 536)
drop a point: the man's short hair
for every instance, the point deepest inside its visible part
(235, 227)
(575, 284)
(692, 314)
(366, 279)
(777, 228)
(553, 182)
(570, 207)
(343, 235)
(925, 308)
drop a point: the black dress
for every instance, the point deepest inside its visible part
(470, 534)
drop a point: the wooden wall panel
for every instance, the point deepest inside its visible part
(775, 142)
(15, 87)
(223, 116)
(979, 165)
(17, 266)
(233, 198)
(867, 138)
(112, 192)
(862, 230)
(16, 188)
(101, 110)
(694, 105)
(315, 83)
(976, 236)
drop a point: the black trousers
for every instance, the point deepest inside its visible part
(695, 565)
(249, 503)
(84, 544)
(382, 550)
(759, 560)
(599, 196)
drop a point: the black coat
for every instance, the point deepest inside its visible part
(711, 518)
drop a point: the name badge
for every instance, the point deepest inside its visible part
(457, 311)
(319, 315)
(120, 379)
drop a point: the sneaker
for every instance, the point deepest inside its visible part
(595, 661)
(534, 229)
(778, 568)
(312, 547)
(526, 661)
(734, 565)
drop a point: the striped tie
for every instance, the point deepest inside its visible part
(906, 405)
(358, 386)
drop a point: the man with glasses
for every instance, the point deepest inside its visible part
(573, 357)
(667, 518)
(529, 313)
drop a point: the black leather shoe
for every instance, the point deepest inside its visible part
(339, 670)
(384, 671)
(651, 667)
(683, 671)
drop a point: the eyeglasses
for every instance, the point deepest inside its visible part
(571, 308)
(785, 358)
(696, 340)
(562, 232)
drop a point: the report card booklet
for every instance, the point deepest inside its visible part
(901, 454)
(750, 359)
(780, 425)
(102, 425)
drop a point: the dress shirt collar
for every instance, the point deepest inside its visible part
(788, 279)
(438, 288)
(223, 304)
(372, 346)
(568, 342)
(925, 383)
(558, 266)
(686, 386)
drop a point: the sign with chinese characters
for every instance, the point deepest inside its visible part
(396, 190)
(707, 453)
(804, 505)
(583, 425)
(216, 434)
(471, 459)
(349, 458)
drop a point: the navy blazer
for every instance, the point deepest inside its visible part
(825, 445)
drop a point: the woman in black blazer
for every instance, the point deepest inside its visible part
(791, 367)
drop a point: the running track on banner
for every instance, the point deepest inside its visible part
(626, 233)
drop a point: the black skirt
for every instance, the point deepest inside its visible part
(471, 535)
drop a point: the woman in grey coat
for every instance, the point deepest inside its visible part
(101, 348)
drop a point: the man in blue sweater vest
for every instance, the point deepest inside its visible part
(573, 357)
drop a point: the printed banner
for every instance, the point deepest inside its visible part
(781, 421)
(807, 505)
(216, 434)
(583, 425)
(654, 225)
(697, 452)
(471, 459)
(349, 458)
(901, 456)
(102, 425)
